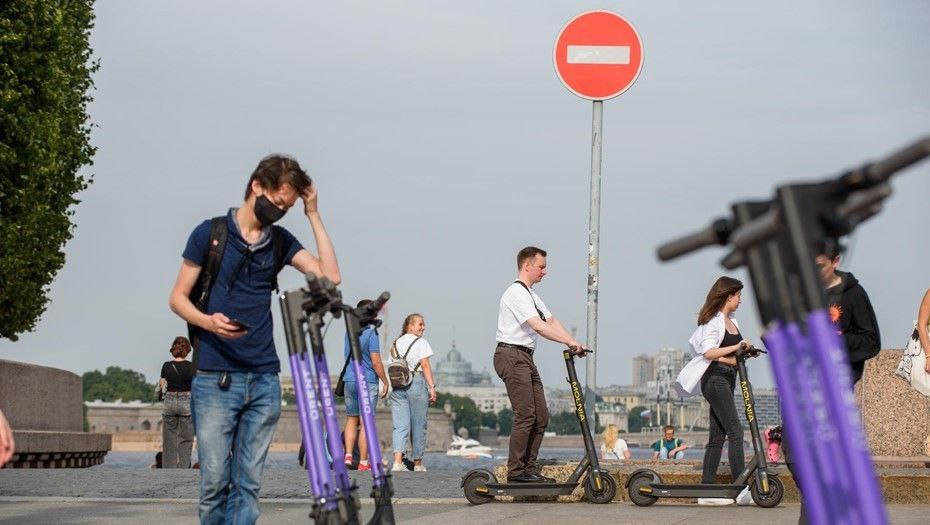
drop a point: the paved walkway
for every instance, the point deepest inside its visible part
(171, 483)
(106, 512)
(144, 496)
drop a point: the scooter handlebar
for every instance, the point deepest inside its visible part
(718, 232)
(751, 351)
(880, 171)
(571, 350)
(379, 303)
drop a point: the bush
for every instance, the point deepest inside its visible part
(45, 80)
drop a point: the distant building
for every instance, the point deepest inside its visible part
(488, 398)
(454, 370)
(628, 396)
(666, 409)
(120, 416)
(613, 414)
(767, 407)
(643, 370)
(559, 400)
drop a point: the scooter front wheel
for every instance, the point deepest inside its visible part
(642, 480)
(773, 498)
(476, 487)
(607, 491)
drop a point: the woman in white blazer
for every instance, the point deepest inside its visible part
(714, 343)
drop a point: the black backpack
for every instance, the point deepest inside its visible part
(200, 293)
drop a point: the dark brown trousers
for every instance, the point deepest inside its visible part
(530, 414)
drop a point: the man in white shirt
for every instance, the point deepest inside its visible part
(523, 317)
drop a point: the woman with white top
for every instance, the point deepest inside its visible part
(716, 340)
(409, 405)
(613, 446)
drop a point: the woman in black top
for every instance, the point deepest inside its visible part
(178, 427)
(719, 380)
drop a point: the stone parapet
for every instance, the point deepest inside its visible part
(49, 449)
(45, 409)
(897, 417)
(41, 398)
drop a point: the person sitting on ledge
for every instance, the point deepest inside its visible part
(668, 447)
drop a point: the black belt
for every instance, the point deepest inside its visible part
(518, 347)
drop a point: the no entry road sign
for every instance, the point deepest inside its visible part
(598, 55)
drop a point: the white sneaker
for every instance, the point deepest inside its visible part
(745, 498)
(419, 468)
(715, 501)
(397, 467)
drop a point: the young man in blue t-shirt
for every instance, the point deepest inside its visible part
(235, 420)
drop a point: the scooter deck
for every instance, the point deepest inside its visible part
(693, 491)
(530, 489)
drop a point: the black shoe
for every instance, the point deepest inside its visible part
(538, 473)
(524, 478)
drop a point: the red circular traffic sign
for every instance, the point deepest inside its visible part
(598, 55)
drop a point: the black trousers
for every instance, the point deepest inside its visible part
(718, 388)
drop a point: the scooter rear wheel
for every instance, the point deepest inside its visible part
(643, 479)
(474, 484)
(773, 498)
(606, 494)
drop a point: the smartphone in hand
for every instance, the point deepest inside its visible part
(240, 326)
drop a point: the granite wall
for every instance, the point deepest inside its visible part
(897, 417)
(45, 409)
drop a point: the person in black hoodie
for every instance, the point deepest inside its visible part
(850, 310)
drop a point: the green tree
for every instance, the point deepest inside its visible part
(466, 411)
(505, 422)
(117, 383)
(564, 423)
(45, 84)
(489, 419)
(635, 422)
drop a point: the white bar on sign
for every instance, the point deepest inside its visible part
(615, 55)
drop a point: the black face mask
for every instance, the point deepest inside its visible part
(266, 212)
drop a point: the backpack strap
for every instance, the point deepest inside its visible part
(408, 351)
(277, 247)
(521, 283)
(219, 231)
(200, 294)
(349, 357)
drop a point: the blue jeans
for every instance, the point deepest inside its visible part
(234, 430)
(353, 405)
(408, 409)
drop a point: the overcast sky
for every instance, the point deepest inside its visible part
(442, 142)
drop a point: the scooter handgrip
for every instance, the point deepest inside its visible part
(379, 303)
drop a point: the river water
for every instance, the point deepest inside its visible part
(436, 461)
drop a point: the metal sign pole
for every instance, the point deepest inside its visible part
(593, 238)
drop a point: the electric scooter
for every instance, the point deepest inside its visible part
(481, 485)
(645, 486)
(334, 498)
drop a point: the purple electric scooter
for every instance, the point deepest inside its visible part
(335, 499)
(777, 241)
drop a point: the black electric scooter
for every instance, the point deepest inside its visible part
(481, 485)
(645, 486)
